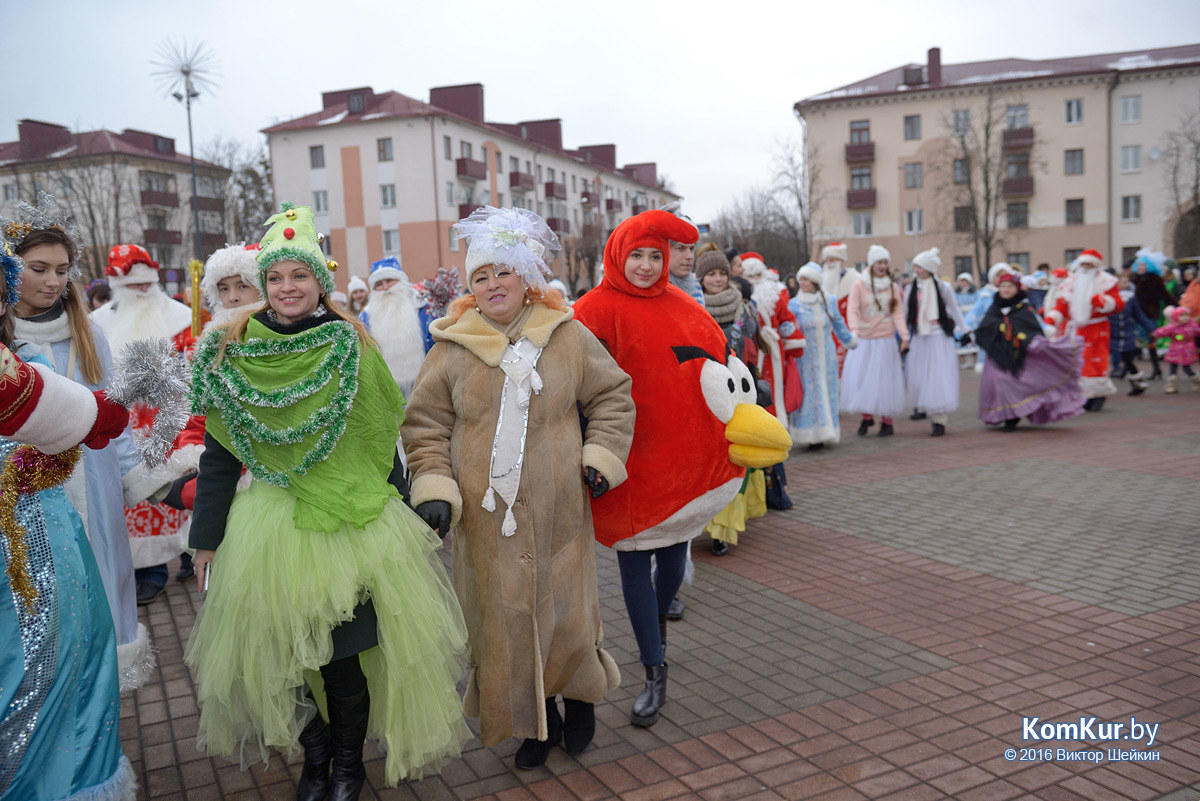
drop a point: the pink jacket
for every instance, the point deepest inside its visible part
(865, 318)
(1182, 347)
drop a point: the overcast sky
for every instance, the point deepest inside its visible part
(704, 88)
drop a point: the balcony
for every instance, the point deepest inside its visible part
(613, 205)
(212, 241)
(590, 198)
(860, 153)
(556, 190)
(1018, 138)
(521, 182)
(469, 168)
(153, 198)
(161, 236)
(592, 231)
(465, 209)
(559, 225)
(635, 209)
(860, 199)
(1018, 187)
(208, 203)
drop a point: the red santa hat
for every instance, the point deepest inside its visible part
(232, 260)
(750, 254)
(835, 250)
(1091, 257)
(130, 264)
(654, 228)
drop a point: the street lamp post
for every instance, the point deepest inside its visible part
(185, 97)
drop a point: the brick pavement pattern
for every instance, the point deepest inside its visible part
(881, 640)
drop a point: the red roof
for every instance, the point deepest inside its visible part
(393, 105)
(41, 141)
(1007, 70)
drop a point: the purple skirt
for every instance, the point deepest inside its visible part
(1046, 391)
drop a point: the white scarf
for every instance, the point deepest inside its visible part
(1081, 294)
(927, 305)
(880, 304)
(521, 382)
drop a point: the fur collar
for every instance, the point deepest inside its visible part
(476, 335)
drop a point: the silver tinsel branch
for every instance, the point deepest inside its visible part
(151, 372)
(440, 290)
(48, 214)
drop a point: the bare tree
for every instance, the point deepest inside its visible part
(246, 195)
(1181, 158)
(583, 254)
(797, 187)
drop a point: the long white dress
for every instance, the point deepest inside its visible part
(931, 368)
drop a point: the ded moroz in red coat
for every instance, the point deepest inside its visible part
(697, 426)
(1086, 298)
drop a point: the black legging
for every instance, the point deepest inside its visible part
(344, 678)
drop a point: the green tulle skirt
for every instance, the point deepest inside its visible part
(276, 592)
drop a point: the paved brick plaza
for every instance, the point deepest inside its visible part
(883, 639)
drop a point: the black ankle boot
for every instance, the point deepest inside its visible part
(1011, 423)
(864, 425)
(347, 733)
(314, 776)
(579, 725)
(652, 698)
(532, 753)
(938, 430)
(885, 430)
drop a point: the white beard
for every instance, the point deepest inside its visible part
(766, 295)
(831, 279)
(141, 315)
(396, 327)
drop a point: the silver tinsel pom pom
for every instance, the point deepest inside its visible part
(151, 372)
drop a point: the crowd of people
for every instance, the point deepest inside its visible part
(336, 439)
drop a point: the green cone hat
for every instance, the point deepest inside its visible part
(293, 237)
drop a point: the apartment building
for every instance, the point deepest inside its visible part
(387, 174)
(1055, 155)
(130, 186)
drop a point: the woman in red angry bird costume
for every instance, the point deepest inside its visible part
(697, 428)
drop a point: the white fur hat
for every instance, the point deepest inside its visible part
(1000, 267)
(812, 271)
(231, 260)
(877, 253)
(356, 284)
(835, 250)
(928, 260)
(965, 277)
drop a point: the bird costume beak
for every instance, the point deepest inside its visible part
(756, 438)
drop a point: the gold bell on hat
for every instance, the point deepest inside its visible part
(290, 214)
(332, 265)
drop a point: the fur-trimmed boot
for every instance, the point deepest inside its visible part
(1172, 387)
(1195, 379)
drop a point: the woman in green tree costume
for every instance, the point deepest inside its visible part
(323, 583)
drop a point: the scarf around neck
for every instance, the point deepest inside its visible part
(725, 305)
(513, 330)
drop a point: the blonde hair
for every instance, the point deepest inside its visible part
(234, 330)
(81, 334)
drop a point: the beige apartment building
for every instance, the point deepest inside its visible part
(127, 187)
(387, 174)
(1054, 156)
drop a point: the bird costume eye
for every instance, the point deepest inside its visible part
(724, 386)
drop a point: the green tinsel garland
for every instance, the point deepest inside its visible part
(319, 266)
(226, 388)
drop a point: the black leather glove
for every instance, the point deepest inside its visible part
(174, 497)
(436, 515)
(965, 339)
(597, 483)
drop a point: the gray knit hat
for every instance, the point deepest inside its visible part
(711, 260)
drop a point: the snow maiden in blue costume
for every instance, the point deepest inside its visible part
(51, 314)
(59, 702)
(817, 315)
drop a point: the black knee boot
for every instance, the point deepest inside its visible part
(348, 732)
(314, 776)
(652, 697)
(579, 725)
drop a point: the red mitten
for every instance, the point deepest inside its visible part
(111, 419)
(1097, 301)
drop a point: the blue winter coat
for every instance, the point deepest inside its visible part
(1125, 324)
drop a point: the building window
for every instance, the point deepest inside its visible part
(316, 156)
(572, 183)
(163, 145)
(961, 122)
(862, 223)
(387, 194)
(499, 162)
(1129, 254)
(914, 221)
(1071, 255)
(539, 178)
(860, 132)
(1131, 208)
(446, 148)
(1019, 260)
(500, 200)
(326, 245)
(540, 212)
(453, 240)
(962, 264)
(449, 193)
(1017, 116)
(550, 174)
(320, 201)
(575, 216)
(860, 177)
(156, 221)
(357, 104)
(384, 147)
(391, 241)
(961, 172)
(514, 164)
(1073, 162)
(912, 176)
(1017, 165)
(465, 150)
(912, 126)
(528, 168)
(1075, 211)
(1018, 215)
(1074, 111)
(962, 218)
(10, 192)
(1131, 109)
(1131, 158)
